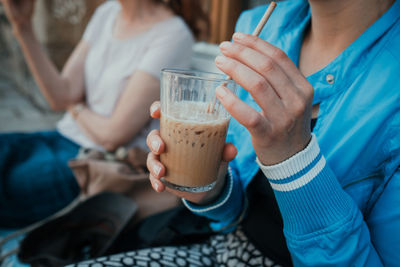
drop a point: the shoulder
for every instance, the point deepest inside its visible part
(285, 13)
(174, 25)
(106, 9)
(174, 30)
(102, 17)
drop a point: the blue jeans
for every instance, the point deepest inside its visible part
(35, 180)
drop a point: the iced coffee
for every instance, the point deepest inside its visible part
(194, 136)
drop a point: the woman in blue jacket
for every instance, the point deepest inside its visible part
(338, 186)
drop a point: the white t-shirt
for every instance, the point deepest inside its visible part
(111, 62)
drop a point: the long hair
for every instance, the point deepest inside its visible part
(193, 14)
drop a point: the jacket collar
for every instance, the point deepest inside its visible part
(343, 70)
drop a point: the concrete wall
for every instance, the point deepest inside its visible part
(58, 25)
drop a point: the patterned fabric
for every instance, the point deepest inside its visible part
(232, 249)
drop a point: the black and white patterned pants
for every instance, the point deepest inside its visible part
(232, 249)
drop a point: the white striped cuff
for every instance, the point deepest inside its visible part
(296, 171)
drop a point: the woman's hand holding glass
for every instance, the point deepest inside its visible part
(282, 127)
(158, 170)
(278, 131)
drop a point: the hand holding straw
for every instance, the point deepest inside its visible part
(256, 32)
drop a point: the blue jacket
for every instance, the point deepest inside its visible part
(340, 201)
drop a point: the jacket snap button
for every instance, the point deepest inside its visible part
(330, 78)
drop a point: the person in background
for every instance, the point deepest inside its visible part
(316, 178)
(106, 86)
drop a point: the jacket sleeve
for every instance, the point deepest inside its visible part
(323, 226)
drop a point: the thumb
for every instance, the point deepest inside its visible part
(229, 153)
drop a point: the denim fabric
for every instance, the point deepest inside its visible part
(35, 180)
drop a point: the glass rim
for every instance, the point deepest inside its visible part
(183, 73)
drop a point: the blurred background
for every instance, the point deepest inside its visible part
(59, 25)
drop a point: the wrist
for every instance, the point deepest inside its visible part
(297, 170)
(274, 156)
(76, 110)
(207, 198)
(222, 189)
(22, 30)
(214, 193)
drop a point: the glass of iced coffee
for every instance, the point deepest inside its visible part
(193, 127)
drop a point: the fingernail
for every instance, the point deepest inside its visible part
(238, 35)
(225, 45)
(157, 186)
(156, 169)
(153, 108)
(219, 60)
(221, 91)
(155, 145)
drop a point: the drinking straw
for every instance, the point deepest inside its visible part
(256, 32)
